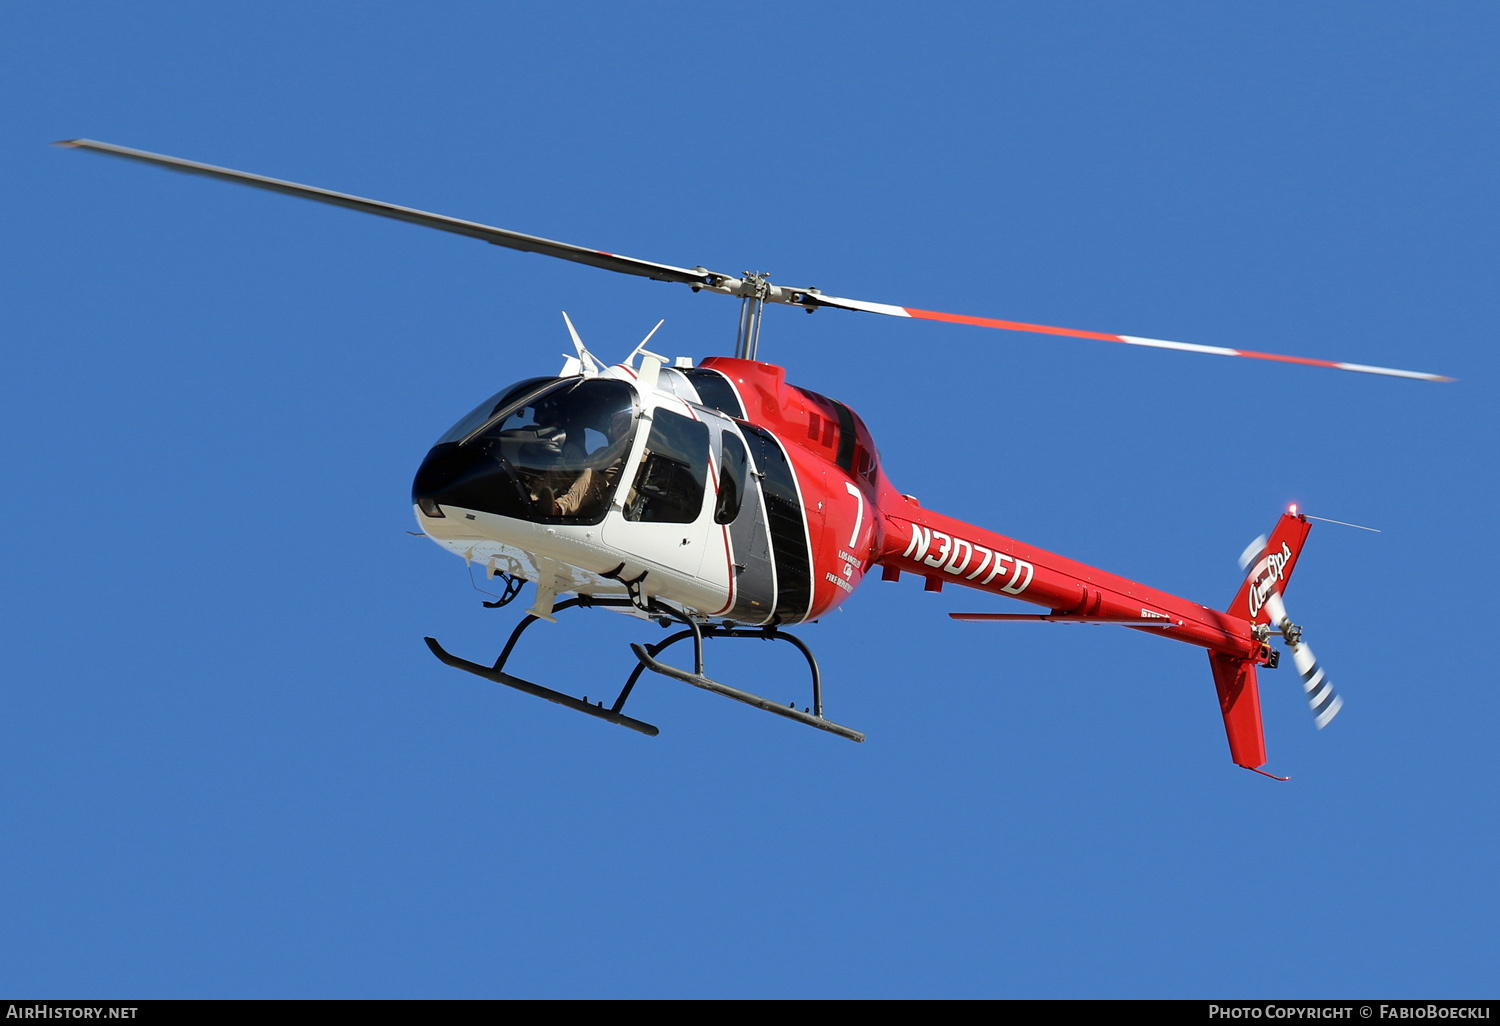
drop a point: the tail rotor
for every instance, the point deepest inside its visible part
(1321, 698)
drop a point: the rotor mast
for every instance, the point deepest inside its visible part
(756, 285)
(755, 290)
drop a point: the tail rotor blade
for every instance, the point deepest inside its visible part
(1321, 698)
(1253, 552)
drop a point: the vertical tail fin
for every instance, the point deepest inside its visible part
(1269, 567)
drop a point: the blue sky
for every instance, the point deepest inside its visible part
(233, 769)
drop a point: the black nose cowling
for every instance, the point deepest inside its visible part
(463, 476)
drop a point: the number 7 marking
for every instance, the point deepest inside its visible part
(859, 517)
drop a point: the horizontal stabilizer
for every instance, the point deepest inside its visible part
(1061, 618)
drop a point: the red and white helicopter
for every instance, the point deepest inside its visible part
(722, 498)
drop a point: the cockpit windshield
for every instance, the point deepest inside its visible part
(491, 406)
(561, 448)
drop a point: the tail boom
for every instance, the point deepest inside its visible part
(945, 550)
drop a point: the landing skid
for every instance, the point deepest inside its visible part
(813, 716)
(580, 704)
(646, 660)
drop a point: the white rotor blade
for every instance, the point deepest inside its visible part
(1325, 704)
(1252, 552)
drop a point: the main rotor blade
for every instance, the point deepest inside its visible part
(483, 232)
(750, 287)
(818, 299)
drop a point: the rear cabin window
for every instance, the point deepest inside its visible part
(731, 479)
(788, 527)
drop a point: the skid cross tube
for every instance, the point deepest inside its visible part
(647, 656)
(496, 673)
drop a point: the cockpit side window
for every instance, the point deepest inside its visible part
(669, 486)
(732, 471)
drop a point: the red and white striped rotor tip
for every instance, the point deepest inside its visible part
(1129, 340)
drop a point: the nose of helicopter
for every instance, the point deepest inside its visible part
(452, 475)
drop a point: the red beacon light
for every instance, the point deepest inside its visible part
(1292, 509)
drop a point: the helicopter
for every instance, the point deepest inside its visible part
(720, 498)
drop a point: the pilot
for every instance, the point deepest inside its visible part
(578, 482)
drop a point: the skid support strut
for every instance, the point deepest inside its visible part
(497, 672)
